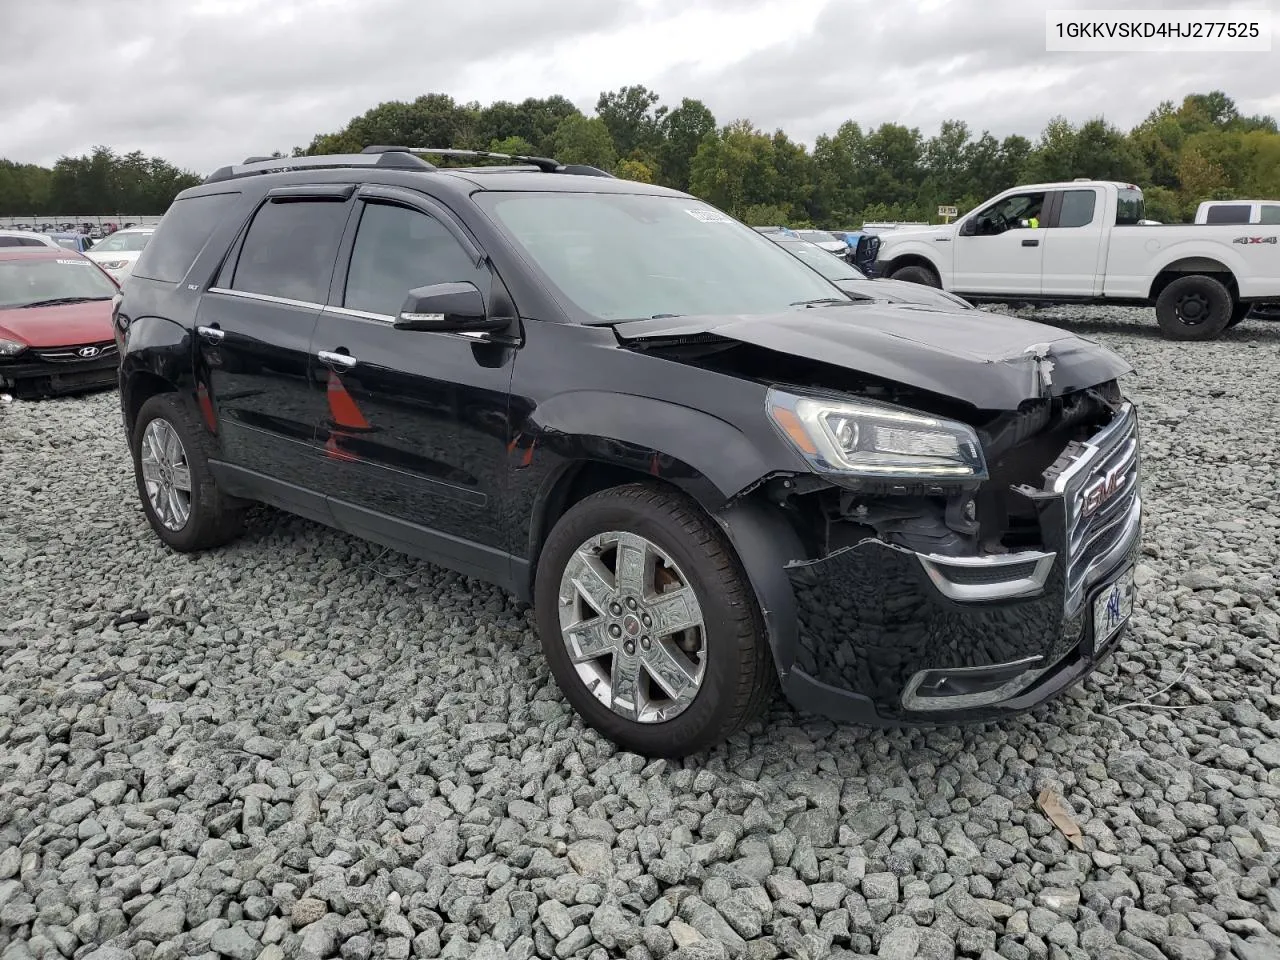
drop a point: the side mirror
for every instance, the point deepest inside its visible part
(447, 307)
(968, 228)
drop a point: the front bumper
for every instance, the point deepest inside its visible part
(888, 637)
(35, 376)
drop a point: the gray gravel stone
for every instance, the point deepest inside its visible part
(303, 746)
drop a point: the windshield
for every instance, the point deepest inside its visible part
(629, 256)
(120, 242)
(827, 264)
(27, 283)
(1129, 207)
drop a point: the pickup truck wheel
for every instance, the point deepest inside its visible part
(179, 496)
(921, 275)
(648, 623)
(1194, 307)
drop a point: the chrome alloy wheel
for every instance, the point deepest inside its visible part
(633, 627)
(166, 474)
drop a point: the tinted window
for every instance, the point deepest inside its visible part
(1228, 213)
(20, 242)
(397, 249)
(290, 248)
(1130, 207)
(182, 234)
(1077, 208)
(1270, 213)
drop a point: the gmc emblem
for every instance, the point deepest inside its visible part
(1255, 240)
(1102, 490)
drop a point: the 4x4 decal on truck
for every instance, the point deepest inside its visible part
(1254, 240)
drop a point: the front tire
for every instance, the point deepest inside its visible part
(179, 496)
(1194, 307)
(921, 275)
(649, 625)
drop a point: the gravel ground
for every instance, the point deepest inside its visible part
(303, 746)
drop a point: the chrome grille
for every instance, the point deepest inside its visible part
(72, 354)
(1094, 538)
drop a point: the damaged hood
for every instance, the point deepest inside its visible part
(992, 362)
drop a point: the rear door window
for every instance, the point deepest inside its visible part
(182, 234)
(1077, 208)
(290, 248)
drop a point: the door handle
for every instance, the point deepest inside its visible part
(334, 359)
(1031, 243)
(213, 334)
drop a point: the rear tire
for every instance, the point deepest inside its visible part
(725, 670)
(171, 451)
(1194, 307)
(920, 275)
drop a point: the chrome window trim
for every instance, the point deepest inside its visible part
(472, 336)
(267, 298)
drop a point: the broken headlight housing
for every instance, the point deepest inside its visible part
(876, 440)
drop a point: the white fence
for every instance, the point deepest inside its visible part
(55, 222)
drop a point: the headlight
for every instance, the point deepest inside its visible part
(11, 348)
(113, 264)
(876, 440)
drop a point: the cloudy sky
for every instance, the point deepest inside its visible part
(206, 82)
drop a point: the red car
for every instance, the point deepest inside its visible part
(55, 323)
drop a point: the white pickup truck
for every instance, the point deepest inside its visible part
(1082, 242)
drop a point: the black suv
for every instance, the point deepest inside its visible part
(706, 467)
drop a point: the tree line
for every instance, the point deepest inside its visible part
(1182, 153)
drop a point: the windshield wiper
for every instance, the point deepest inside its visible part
(824, 302)
(57, 300)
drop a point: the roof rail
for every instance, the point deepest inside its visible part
(401, 160)
(545, 164)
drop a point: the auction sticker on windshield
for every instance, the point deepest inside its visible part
(1111, 609)
(710, 216)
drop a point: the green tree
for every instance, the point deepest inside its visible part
(840, 190)
(683, 130)
(534, 120)
(633, 119)
(432, 120)
(515, 146)
(580, 139)
(891, 161)
(636, 170)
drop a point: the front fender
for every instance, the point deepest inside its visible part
(711, 459)
(891, 252)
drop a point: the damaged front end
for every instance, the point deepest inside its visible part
(961, 545)
(956, 599)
